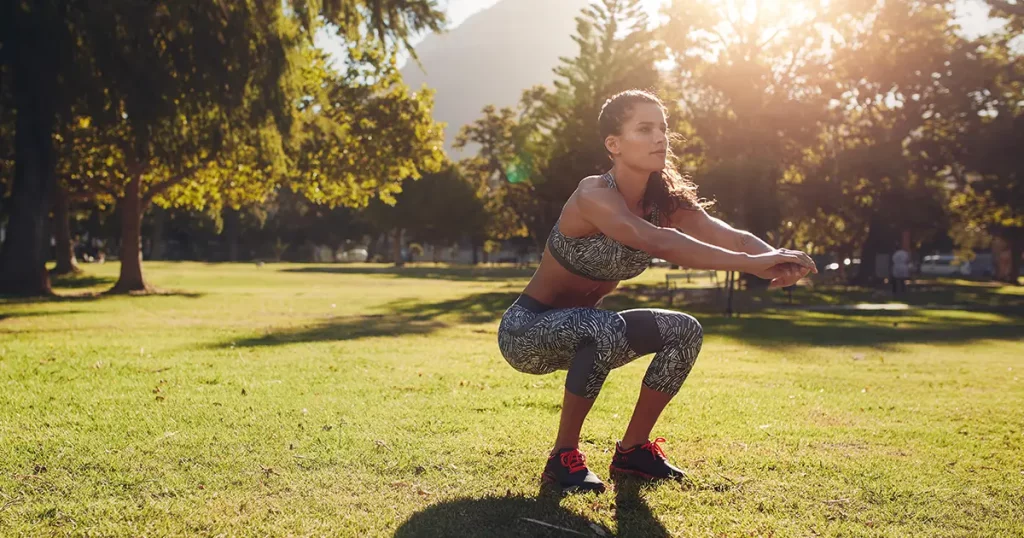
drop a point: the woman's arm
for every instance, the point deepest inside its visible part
(699, 224)
(607, 211)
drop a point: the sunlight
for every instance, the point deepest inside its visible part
(746, 10)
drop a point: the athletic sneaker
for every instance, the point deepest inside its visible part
(646, 461)
(567, 469)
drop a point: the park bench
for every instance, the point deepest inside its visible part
(671, 288)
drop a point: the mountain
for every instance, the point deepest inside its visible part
(492, 57)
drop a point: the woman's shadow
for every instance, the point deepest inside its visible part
(523, 516)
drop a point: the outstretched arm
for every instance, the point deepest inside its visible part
(699, 224)
(607, 212)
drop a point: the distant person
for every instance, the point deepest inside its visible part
(608, 231)
(900, 271)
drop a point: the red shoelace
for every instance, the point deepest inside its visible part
(574, 460)
(655, 448)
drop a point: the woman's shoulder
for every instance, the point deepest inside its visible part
(591, 190)
(595, 182)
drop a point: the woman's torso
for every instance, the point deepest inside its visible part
(580, 265)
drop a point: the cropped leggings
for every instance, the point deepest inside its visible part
(589, 342)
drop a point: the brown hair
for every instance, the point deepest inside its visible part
(667, 190)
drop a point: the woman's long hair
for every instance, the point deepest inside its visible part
(667, 190)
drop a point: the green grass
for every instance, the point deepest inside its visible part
(364, 401)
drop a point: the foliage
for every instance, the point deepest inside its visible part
(190, 95)
(441, 208)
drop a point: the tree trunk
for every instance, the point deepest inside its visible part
(1015, 265)
(159, 245)
(66, 261)
(873, 245)
(130, 206)
(373, 248)
(475, 245)
(231, 232)
(26, 247)
(1015, 243)
(398, 247)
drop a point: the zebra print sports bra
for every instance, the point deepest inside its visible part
(599, 257)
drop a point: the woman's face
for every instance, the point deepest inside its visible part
(643, 140)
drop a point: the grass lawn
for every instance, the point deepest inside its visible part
(362, 401)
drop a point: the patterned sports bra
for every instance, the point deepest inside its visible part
(599, 257)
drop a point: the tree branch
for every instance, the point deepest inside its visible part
(162, 186)
(91, 184)
(1011, 9)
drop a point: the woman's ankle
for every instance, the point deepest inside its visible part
(563, 446)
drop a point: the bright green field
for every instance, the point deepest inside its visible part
(360, 401)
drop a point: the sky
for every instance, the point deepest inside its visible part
(460, 10)
(973, 12)
(973, 16)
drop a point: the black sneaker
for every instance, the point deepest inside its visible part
(645, 461)
(567, 470)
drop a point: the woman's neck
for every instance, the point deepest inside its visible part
(632, 184)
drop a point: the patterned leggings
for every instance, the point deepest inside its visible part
(589, 342)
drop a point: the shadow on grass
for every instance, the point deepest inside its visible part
(91, 296)
(81, 280)
(976, 296)
(36, 313)
(878, 329)
(778, 328)
(520, 516)
(455, 273)
(405, 317)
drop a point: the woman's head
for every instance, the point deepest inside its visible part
(634, 130)
(633, 126)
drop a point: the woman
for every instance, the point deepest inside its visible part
(608, 231)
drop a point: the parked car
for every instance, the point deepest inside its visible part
(944, 265)
(355, 255)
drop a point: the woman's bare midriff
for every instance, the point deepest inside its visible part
(555, 286)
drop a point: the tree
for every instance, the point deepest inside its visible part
(363, 132)
(32, 38)
(1012, 10)
(440, 208)
(750, 76)
(6, 142)
(500, 170)
(973, 143)
(159, 68)
(899, 75)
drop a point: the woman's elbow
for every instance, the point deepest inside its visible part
(655, 243)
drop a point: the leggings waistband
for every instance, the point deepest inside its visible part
(531, 304)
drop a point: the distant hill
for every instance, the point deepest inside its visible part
(492, 57)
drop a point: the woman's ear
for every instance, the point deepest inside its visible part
(611, 143)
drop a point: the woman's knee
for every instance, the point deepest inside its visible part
(680, 330)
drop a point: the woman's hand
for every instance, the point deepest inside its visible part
(783, 267)
(786, 275)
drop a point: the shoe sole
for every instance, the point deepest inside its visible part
(550, 481)
(613, 470)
